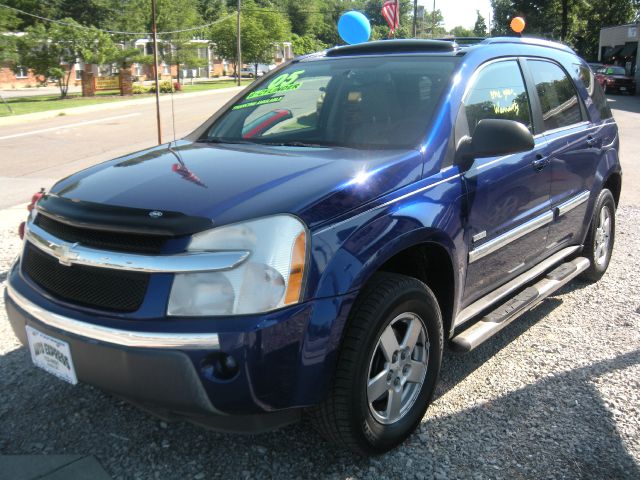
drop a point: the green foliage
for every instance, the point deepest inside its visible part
(480, 27)
(138, 89)
(8, 50)
(52, 52)
(460, 31)
(432, 25)
(260, 31)
(576, 22)
(165, 87)
(306, 44)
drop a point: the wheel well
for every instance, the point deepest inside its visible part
(614, 184)
(429, 263)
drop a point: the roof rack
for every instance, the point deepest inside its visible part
(400, 45)
(528, 41)
(464, 41)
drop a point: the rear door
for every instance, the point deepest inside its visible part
(508, 209)
(574, 149)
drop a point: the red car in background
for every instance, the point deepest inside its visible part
(615, 79)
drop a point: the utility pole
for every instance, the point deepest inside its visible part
(433, 24)
(415, 18)
(154, 32)
(239, 49)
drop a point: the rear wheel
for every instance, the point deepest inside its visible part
(598, 246)
(387, 368)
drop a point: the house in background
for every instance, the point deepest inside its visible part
(214, 67)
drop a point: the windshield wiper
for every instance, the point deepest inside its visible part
(226, 140)
(295, 144)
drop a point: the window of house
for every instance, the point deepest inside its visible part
(166, 69)
(21, 72)
(78, 74)
(558, 98)
(498, 92)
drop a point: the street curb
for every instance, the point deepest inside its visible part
(29, 117)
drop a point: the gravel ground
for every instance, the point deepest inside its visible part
(555, 395)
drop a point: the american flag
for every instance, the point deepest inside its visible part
(391, 13)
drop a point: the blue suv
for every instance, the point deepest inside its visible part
(315, 244)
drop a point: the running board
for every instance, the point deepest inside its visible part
(482, 305)
(521, 303)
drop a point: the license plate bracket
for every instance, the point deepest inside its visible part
(52, 355)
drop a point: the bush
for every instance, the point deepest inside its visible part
(177, 86)
(165, 87)
(137, 89)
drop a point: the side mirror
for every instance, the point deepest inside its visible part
(493, 137)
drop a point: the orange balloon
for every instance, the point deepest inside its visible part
(517, 24)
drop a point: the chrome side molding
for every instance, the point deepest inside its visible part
(510, 287)
(76, 254)
(573, 203)
(510, 236)
(125, 338)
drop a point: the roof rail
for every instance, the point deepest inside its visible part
(400, 45)
(529, 41)
(463, 41)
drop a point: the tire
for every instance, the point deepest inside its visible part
(351, 417)
(600, 238)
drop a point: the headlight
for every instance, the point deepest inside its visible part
(270, 278)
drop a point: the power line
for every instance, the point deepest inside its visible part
(114, 32)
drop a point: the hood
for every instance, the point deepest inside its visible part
(620, 77)
(231, 183)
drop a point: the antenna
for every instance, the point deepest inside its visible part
(173, 113)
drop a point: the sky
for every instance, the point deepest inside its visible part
(459, 12)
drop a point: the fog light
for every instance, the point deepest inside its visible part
(220, 366)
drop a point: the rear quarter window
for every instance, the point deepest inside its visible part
(594, 90)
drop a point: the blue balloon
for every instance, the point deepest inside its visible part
(354, 27)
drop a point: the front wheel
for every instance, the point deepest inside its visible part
(387, 368)
(598, 246)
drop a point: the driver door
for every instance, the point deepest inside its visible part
(508, 198)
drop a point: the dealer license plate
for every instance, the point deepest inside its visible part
(52, 355)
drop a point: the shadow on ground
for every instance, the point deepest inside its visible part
(557, 426)
(627, 103)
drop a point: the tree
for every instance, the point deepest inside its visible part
(8, 51)
(480, 28)
(306, 44)
(260, 31)
(576, 22)
(432, 25)
(52, 52)
(460, 31)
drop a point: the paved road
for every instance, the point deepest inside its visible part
(36, 154)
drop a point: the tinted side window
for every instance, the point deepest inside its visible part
(498, 92)
(594, 90)
(558, 98)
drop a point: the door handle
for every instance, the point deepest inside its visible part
(592, 141)
(540, 162)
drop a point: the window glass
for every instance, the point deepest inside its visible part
(364, 102)
(558, 98)
(498, 92)
(594, 90)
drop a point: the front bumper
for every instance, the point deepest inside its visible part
(285, 358)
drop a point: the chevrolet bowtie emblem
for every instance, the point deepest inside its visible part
(65, 254)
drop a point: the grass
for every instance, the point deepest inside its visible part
(43, 103)
(211, 85)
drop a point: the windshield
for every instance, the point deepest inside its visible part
(615, 71)
(372, 102)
